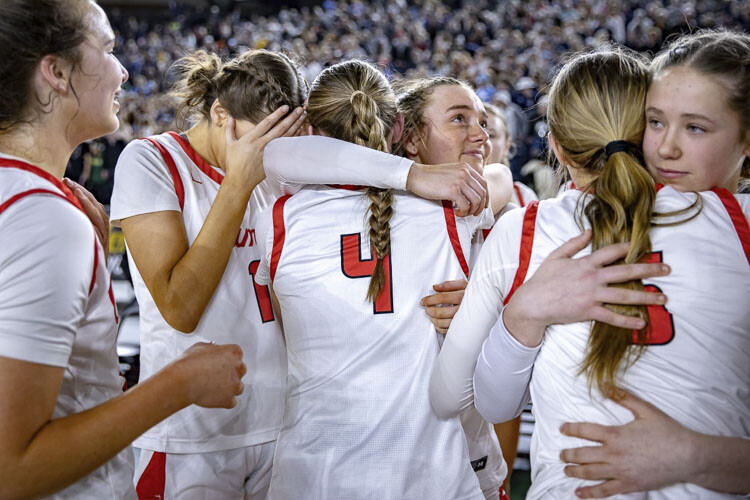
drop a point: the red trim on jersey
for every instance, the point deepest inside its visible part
(96, 264)
(24, 194)
(179, 188)
(527, 242)
(738, 218)
(202, 164)
(152, 482)
(278, 233)
(518, 193)
(486, 232)
(111, 294)
(22, 165)
(658, 186)
(450, 221)
(349, 187)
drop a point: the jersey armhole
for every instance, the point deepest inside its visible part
(450, 222)
(527, 242)
(738, 218)
(279, 233)
(179, 189)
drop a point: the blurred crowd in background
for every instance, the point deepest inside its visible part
(507, 49)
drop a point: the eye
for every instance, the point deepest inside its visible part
(460, 118)
(484, 125)
(696, 129)
(654, 123)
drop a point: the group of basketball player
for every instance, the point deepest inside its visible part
(278, 197)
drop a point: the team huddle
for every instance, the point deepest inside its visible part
(341, 289)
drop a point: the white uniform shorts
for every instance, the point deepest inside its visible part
(242, 473)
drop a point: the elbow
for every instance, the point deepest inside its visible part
(443, 404)
(180, 319)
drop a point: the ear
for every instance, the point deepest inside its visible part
(411, 144)
(55, 72)
(311, 130)
(398, 129)
(557, 149)
(219, 113)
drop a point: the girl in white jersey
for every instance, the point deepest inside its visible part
(695, 363)
(188, 205)
(65, 420)
(357, 421)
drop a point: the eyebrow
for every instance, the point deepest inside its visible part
(693, 116)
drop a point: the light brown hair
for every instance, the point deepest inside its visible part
(598, 98)
(250, 86)
(354, 102)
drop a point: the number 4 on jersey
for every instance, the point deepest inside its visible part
(661, 324)
(353, 266)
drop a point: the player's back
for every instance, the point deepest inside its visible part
(358, 422)
(695, 368)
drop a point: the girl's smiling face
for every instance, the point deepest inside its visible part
(693, 140)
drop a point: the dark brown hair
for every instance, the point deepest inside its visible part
(30, 30)
(250, 86)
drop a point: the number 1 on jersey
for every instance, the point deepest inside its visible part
(353, 267)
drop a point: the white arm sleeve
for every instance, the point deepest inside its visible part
(293, 162)
(451, 386)
(46, 266)
(142, 184)
(502, 376)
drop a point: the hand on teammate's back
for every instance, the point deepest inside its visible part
(460, 183)
(94, 211)
(625, 455)
(443, 305)
(568, 290)
(244, 155)
(212, 374)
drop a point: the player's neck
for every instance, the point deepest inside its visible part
(41, 145)
(199, 137)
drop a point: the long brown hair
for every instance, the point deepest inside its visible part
(598, 98)
(353, 101)
(250, 86)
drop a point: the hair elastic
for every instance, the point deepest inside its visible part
(618, 147)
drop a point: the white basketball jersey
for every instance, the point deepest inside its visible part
(165, 173)
(358, 421)
(696, 367)
(84, 341)
(522, 194)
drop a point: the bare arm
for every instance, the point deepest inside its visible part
(499, 185)
(654, 451)
(182, 278)
(40, 455)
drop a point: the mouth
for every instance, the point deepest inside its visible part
(474, 153)
(670, 174)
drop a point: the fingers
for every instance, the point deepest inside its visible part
(269, 122)
(604, 315)
(441, 325)
(451, 285)
(585, 430)
(609, 254)
(613, 295)
(602, 490)
(627, 272)
(449, 298)
(286, 127)
(593, 472)
(636, 405)
(572, 246)
(445, 312)
(461, 205)
(582, 455)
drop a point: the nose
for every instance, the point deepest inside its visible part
(125, 74)
(478, 134)
(669, 144)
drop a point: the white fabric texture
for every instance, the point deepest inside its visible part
(358, 423)
(700, 376)
(49, 314)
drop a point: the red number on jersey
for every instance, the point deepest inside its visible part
(661, 324)
(262, 294)
(353, 266)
